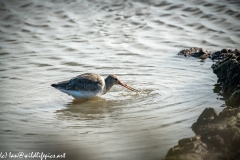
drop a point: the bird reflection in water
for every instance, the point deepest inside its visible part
(94, 108)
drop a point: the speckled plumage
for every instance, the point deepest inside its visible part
(88, 85)
(84, 82)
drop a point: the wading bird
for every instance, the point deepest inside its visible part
(89, 85)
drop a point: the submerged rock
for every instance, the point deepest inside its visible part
(214, 55)
(195, 52)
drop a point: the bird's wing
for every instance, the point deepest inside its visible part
(87, 85)
(72, 83)
(84, 82)
(62, 84)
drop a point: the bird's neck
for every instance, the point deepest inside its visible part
(108, 85)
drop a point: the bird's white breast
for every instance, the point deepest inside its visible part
(81, 94)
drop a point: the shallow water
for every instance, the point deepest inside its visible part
(43, 42)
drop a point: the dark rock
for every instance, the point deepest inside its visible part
(227, 113)
(225, 50)
(195, 52)
(221, 55)
(227, 69)
(217, 137)
(188, 149)
(186, 140)
(233, 152)
(205, 118)
(213, 140)
(204, 56)
(220, 134)
(234, 100)
(228, 73)
(237, 52)
(216, 141)
(207, 114)
(214, 55)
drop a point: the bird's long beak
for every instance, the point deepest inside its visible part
(128, 87)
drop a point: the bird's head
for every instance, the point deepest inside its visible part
(115, 80)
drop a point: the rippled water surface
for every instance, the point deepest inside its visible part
(43, 42)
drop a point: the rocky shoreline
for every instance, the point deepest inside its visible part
(217, 135)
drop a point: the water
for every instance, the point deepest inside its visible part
(43, 42)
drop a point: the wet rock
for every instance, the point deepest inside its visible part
(234, 100)
(237, 52)
(221, 55)
(216, 141)
(217, 137)
(224, 50)
(233, 152)
(188, 149)
(229, 113)
(219, 134)
(204, 56)
(195, 52)
(228, 73)
(213, 140)
(222, 133)
(214, 55)
(205, 118)
(227, 69)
